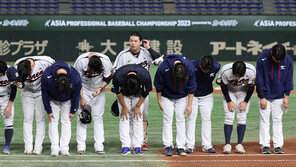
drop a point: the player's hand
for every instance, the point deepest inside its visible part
(263, 103)
(159, 104)
(242, 106)
(146, 44)
(137, 112)
(231, 106)
(188, 110)
(82, 102)
(7, 111)
(97, 92)
(50, 117)
(125, 113)
(71, 116)
(286, 102)
(19, 85)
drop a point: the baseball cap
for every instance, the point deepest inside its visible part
(12, 75)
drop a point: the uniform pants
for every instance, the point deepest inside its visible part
(171, 106)
(61, 144)
(33, 102)
(205, 105)
(136, 138)
(236, 97)
(273, 107)
(97, 105)
(8, 122)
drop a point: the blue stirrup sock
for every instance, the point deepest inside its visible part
(240, 133)
(8, 136)
(227, 133)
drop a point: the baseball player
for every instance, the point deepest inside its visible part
(95, 71)
(31, 69)
(132, 84)
(7, 96)
(143, 56)
(274, 81)
(61, 86)
(237, 81)
(174, 81)
(205, 71)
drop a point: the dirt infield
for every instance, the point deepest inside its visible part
(252, 158)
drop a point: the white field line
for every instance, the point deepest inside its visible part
(128, 161)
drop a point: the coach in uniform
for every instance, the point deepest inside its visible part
(174, 81)
(31, 69)
(143, 56)
(61, 86)
(95, 71)
(132, 84)
(7, 96)
(205, 71)
(237, 81)
(274, 82)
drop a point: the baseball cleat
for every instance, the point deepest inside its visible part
(169, 151)
(54, 153)
(189, 150)
(181, 152)
(27, 152)
(210, 150)
(227, 149)
(66, 153)
(138, 151)
(240, 149)
(101, 152)
(278, 150)
(266, 150)
(125, 151)
(36, 152)
(81, 152)
(145, 147)
(6, 150)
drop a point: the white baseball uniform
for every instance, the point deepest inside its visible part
(237, 88)
(32, 100)
(97, 104)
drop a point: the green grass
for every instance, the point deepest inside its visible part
(113, 144)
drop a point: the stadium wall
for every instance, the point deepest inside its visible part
(226, 38)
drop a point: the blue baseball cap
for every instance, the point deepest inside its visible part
(12, 75)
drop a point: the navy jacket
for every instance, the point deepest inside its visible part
(142, 73)
(204, 80)
(273, 79)
(48, 88)
(164, 82)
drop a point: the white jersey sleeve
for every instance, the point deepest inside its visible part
(225, 73)
(250, 74)
(106, 64)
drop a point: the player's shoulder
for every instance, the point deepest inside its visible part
(125, 51)
(227, 67)
(44, 60)
(288, 59)
(263, 57)
(144, 50)
(217, 65)
(104, 58)
(250, 66)
(226, 70)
